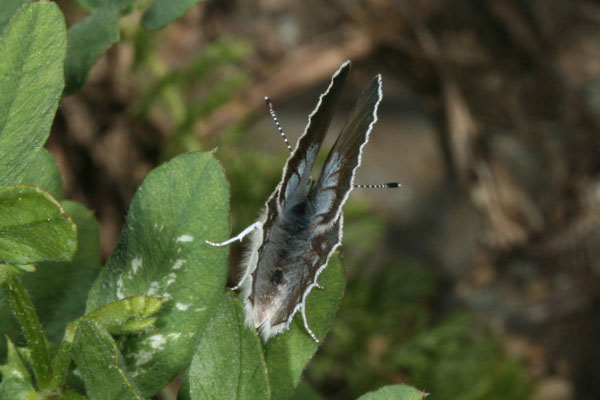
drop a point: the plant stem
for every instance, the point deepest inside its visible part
(24, 311)
(62, 359)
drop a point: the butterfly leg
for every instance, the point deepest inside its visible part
(238, 237)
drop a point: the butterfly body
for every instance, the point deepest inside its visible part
(289, 254)
(301, 226)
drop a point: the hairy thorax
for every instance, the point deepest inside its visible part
(283, 268)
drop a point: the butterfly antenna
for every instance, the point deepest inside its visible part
(391, 185)
(274, 116)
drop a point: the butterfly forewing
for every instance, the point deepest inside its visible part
(335, 183)
(296, 175)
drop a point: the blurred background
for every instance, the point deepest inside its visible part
(480, 277)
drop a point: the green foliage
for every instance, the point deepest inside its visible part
(8, 9)
(101, 365)
(148, 309)
(129, 315)
(93, 5)
(55, 305)
(43, 173)
(162, 253)
(393, 392)
(16, 380)
(163, 12)
(34, 227)
(192, 93)
(24, 312)
(227, 345)
(387, 319)
(159, 305)
(88, 40)
(32, 52)
(451, 359)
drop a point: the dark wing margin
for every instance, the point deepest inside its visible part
(335, 183)
(296, 173)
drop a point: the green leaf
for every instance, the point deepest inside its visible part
(71, 395)
(16, 389)
(32, 53)
(162, 253)
(228, 362)
(101, 366)
(34, 227)
(128, 315)
(163, 12)
(305, 392)
(395, 392)
(288, 353)
(43, 172)
(7, 9)
(92, 5)
(59, 289)
(24, 312)
(88, 40)
(8, 272)
(14, 367)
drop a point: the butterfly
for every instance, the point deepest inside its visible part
(301, 225)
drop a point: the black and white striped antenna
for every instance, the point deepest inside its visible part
(390, 185)
(274, 116)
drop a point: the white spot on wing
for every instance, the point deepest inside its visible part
(178, 264)
(182, 307)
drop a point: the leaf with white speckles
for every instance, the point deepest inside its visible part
(162, 254)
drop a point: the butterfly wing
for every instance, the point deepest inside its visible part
(296, 174)
(274, 291)
(313, 246)
(335, 183)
